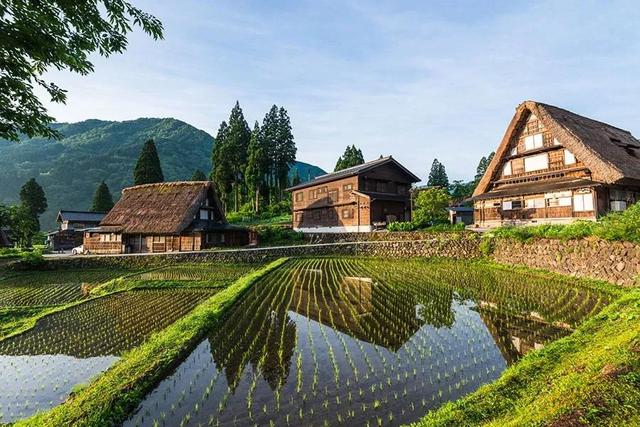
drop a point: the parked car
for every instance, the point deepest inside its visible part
(79, 250)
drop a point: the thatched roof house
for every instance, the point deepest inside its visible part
(168, 216)
(555, 166)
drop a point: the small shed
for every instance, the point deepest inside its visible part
(460, 215)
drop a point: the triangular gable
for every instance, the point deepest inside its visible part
(601, 169)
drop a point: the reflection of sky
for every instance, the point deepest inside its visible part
(36, 383)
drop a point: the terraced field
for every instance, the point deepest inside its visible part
(364, 342)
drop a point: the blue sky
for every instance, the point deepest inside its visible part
(414, 79)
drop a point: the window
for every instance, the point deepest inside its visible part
(299, 196)
(299, 216)
(347, 213)
(536, 163)
(618, 205)
(535, 203)
(559, 201)
(569, 158)
(514, 150)
(204, 214)
(347, 187)
(533, 141)
(556, 142)
(313, 194)
(506, 169)
(316, 214)
(158, 239)
(381, 187)
(511, 205)
(333, 195)
(583, 202)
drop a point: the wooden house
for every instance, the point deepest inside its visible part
(71, 226)
(164, 217)
(554, 166)
(357, 199)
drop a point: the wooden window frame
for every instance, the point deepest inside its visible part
(300, 196)
(347, 213)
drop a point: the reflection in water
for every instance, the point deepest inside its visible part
(39, 368)
(361, 342)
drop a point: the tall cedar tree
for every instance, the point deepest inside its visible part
(102, 200)
(256, 166)
(237, 143)
(438, 175)
(148, 170)
(198, 175)
(222, 173)
(32, 199)
(352, 157)
(269, 136)
(49, 34)
(285, 150)
(483, 165)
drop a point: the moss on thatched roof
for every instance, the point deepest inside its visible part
(611, 154)
(162, 208)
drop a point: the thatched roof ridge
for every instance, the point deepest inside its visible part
(611, 154)
(161, 208)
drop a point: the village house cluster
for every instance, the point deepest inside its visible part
(552, 166)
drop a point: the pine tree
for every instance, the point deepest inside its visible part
(269, 136)
(483, 165)
(237, 141)
(438, 175)
(102, 200)
(352, 157)
(256, 166)
(148, 170)
(198, 175)
(33, 198)
(286, 150)
(222, 173)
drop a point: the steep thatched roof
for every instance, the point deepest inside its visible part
(163, 208)
(611, 154)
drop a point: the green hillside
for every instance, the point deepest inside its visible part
(96, 150)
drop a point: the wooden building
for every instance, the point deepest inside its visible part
(71, 227)
(554, 166)
(164, 217)
(357, 199)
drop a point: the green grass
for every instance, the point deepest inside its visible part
(591, 377)
(109, 399)
(621, 226)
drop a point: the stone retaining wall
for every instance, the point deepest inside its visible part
(616, 262)
(385, 236)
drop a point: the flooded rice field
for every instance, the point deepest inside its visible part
(364, 342)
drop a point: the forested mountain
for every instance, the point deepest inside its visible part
(91, 151)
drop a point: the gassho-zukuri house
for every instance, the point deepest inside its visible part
(356, 199)
(164, 217)
(554, 166)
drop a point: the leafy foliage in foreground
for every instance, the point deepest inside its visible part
(592, 377)
(614, 226)
(109, 398)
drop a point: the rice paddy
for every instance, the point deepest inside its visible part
(364, 342)
(214, 275)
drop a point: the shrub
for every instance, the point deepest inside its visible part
(431, 205)
(401, 226)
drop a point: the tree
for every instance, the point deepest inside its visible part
(222, 173)
(5, 216)
(256, 166)
(33, 198)
(352, 157)
(198, 175)
(24, 225)
(285, 150)
(483, 165)
(461, 190)
(102, 200)
(438, 175)
(37, 36)
(430, 206)
(148, 169)
(236, 143)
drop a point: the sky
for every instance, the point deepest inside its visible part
(414, 79)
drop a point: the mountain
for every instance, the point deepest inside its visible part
(70, 169)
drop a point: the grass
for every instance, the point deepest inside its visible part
(109, 399)
(616, 226)
(591, 377)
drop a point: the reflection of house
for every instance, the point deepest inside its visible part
(354, 199)
(165, 217)
(554, 166)
(71, 226)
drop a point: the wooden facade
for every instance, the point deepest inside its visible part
(165, 217)
(356, 199)
(71, 226)
(554, 166)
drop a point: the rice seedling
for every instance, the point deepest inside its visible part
(366, 342)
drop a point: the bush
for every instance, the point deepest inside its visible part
(274, 234)
(435, 228)
(401, 226)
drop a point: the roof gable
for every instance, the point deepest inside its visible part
(610, 153)
(357, 170)
(162, 208)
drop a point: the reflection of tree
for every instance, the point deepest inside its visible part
(277, 359)
(436, 307)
